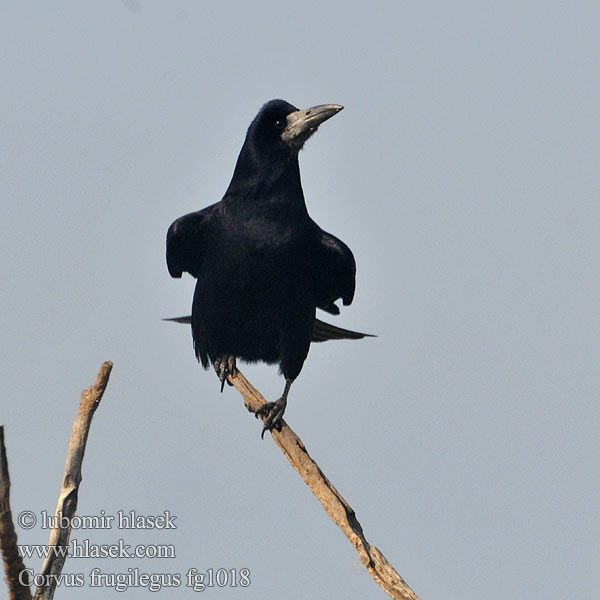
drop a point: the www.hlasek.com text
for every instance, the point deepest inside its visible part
(86, 549)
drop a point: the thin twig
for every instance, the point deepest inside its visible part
(67, 501)
(17, 579)
(334, 504)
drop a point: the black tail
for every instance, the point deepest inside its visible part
(321, 331)
(324, 331)
(187, 319)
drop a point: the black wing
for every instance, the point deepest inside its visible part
(335, 272)
(184, 242)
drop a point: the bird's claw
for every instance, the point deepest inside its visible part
(225, 366)
(271, 413)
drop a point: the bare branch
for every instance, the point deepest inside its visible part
(17, 579)
(67, 501)
(334, 504)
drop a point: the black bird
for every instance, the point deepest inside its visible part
(263, 265)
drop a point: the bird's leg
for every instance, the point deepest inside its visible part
(225, 365)
(273, 411)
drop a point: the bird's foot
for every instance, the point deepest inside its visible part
(271, 412)
(225, 366)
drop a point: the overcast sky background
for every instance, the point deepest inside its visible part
(463, 173)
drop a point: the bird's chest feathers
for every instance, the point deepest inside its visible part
(261, 250)
(270, 226)
(261, 234)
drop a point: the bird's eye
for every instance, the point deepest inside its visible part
(280, 124)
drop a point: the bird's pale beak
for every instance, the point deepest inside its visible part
(301, 124)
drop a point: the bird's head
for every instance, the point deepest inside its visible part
(279, 126)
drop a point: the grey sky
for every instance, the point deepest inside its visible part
(463, 173)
